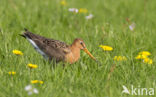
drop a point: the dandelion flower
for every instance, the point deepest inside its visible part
(145, 53)
(36, 81)
(140, 57)
(32, 65)
(90, 16)
(120, 58)
(41, 82)
(63, 2)
(17, 52)
(148, 61)
(75, 10)
(144, 56)
(83, 10)
(11, 73)
(106, 48)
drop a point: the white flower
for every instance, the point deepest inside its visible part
(132, 26)
(28, 87)
(31, 90)
(73, 10)
(90, 16)
(30, 93)
(35, 91)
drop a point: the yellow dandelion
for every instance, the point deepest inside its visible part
(120, 58)
(36, 81)
(106, 48)
(32, 65)
(83, 10)
(63, 3)
(144, 56)
(41, 82)
(11, 73)
(145, 53)
(140, 57)
(17, 52)
(148, 61)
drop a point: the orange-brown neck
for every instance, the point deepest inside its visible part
(74, 55)
(75, 52)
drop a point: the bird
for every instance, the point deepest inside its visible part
(55, 50)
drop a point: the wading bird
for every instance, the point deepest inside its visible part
(55, 50)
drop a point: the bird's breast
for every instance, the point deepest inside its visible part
(71, 58)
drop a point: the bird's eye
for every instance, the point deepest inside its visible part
(81, 42)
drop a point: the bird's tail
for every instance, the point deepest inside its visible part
(25, 33)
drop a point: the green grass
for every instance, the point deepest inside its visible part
(84, 78)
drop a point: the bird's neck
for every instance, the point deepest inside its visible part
(76, 52)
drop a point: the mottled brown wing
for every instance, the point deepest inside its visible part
(57, 45)
(47, 42)
(55, 49)
(53, 53)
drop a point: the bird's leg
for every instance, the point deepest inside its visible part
(64, 65)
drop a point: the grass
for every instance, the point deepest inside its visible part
(84, 78)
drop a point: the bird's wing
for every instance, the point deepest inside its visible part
(56, 44)
(52, 48)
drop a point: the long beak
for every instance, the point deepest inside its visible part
(86, 50)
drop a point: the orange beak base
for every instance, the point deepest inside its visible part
(86, 50)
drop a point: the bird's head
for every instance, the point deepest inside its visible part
(79, 43)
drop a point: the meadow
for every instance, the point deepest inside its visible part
(128, 26)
